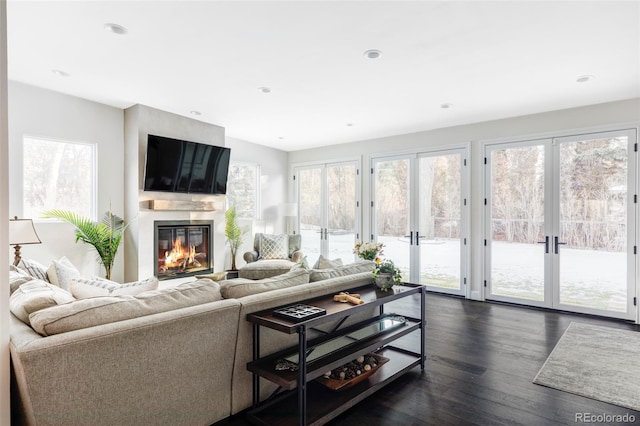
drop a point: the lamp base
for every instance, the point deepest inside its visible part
(16, 258)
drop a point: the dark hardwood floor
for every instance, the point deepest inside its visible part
(481, 360)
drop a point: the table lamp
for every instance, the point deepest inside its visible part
(21, 231)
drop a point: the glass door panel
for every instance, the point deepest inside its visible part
(517, 223)
(310, 205)
(440, 221)
(562, 228)
(392, 207)
(593, 243)
(342, 209)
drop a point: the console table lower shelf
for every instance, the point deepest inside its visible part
(324, 404)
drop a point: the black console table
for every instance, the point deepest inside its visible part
(301, 394)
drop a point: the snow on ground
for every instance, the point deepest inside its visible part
(589, 278)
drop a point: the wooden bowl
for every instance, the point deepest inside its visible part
(338, 385)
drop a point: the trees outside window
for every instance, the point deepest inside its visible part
(58, 175)
(243, 189)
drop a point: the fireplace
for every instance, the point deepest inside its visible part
(182, 248)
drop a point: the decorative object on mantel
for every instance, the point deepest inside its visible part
(103, 236)
(386, 274)
(234, 233)
(347, 297)
(370, 250)
(21, 232)
(181, 205)
(352, 373)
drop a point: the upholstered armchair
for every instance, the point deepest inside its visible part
(271, 255)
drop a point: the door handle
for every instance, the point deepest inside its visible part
(410, 236)
(546, 244)
(557, 243)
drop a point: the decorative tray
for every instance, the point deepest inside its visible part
(299, 312)
(338, 385)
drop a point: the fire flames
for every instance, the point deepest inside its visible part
(179, 256)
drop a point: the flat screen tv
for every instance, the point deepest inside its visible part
(174, 165)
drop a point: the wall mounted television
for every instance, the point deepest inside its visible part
(173, 165)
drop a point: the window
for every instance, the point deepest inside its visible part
(58, 175)
(243, 189)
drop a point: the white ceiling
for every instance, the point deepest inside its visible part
(489, 59)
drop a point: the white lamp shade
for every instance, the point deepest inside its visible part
(22, 231)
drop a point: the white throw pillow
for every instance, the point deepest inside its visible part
(324, 263)
(61, 272)
(97, 287)
(35, 295)
(17, 278)
(274, 246)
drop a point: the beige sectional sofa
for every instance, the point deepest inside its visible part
(155, 365)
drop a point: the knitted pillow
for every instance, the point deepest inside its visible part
(61, 272)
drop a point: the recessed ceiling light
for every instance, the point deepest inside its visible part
(281, 137)
(115, 29)
(349, 124)
(584, 78)
(194, 112)
(264, 89)
(372, 54)
(60, 73)
(446, 106)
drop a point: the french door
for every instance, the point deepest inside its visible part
(561, 223)
(329, 204)
(419, 212)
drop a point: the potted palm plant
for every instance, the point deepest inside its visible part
(104, 236)
(234, 234)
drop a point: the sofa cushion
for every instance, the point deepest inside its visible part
(240, 287)
(97, 287)
(265, 269)
(324, 263)
(35, 295)
(61, 272)
(274, 246)
(103, 310)
(33, 268)
(340, 271)
(17, 278)
(215, 276)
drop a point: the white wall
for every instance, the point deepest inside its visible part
(39, 112)
(273, 189)
(140, 121)
(5, 416)
(554, 122)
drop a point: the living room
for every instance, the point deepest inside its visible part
(43, 111)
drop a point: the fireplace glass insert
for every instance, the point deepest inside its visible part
(183, 248)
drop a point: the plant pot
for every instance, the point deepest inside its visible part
(384, 280)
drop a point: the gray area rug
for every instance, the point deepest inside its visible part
(597, 362)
